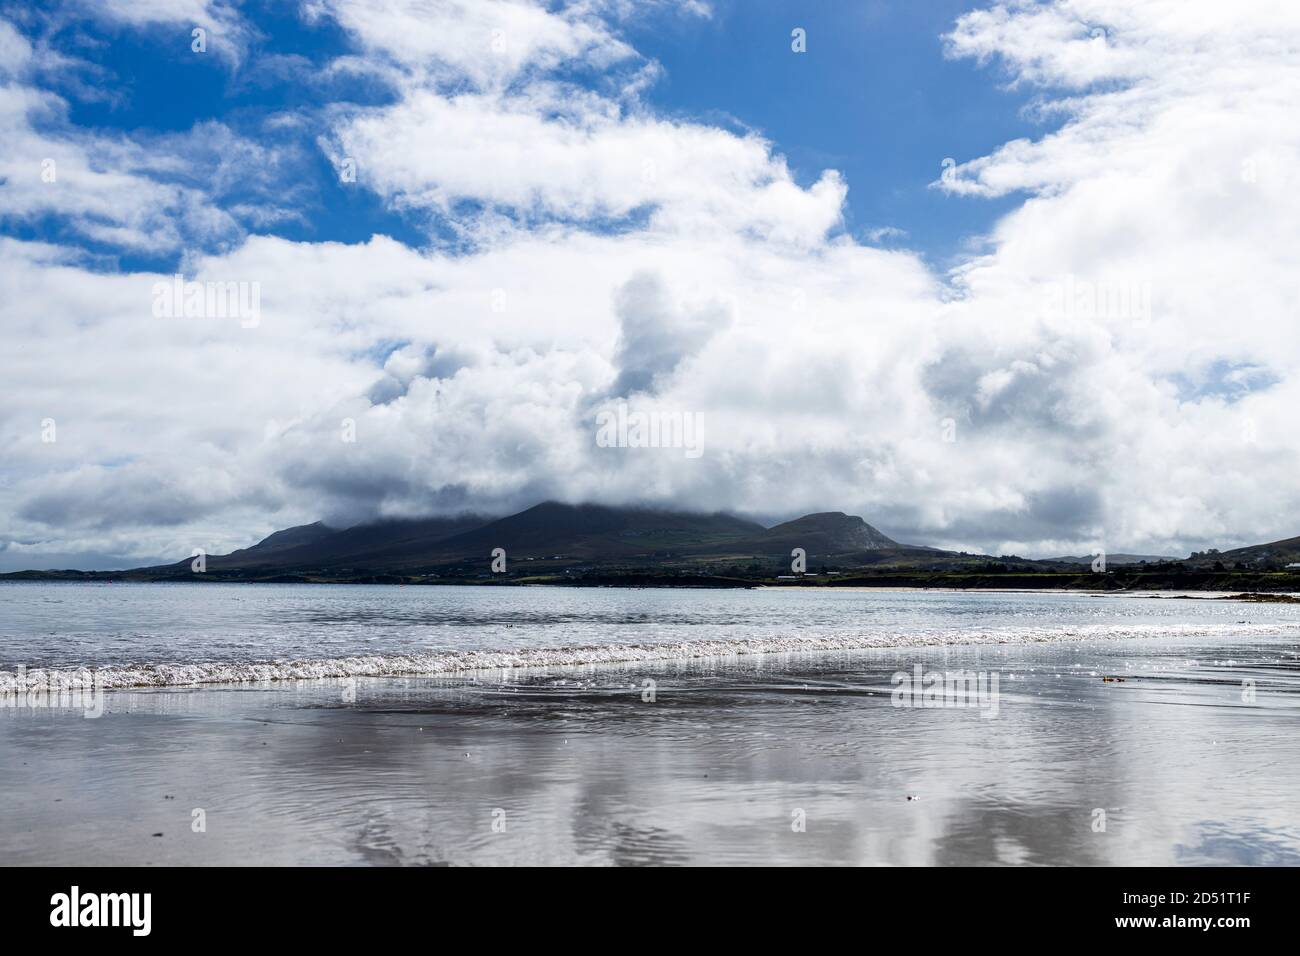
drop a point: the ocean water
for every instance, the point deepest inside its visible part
(177, 634)
(469, 726)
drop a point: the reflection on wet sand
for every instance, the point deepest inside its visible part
(577, 766)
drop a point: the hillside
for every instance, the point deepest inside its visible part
(1274, 555)
(554, 542)
(551, 536)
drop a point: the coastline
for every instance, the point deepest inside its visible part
(487, 657)
(1223, 584)
(577, 765)
(1279, 597)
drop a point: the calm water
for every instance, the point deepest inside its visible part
(668, 749)
(428, 629)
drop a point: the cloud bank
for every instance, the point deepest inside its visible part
(1116, 367)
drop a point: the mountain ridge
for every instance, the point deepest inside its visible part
(557, 542)
(549, 532)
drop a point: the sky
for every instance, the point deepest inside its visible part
(999, 276)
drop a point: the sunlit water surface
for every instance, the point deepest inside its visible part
(656, 743)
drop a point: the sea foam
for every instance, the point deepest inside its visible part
(166, 674)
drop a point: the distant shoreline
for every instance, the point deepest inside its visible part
(1265, 597)
(1277, 587)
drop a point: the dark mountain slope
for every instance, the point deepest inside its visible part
(561, 538)
(381, 544)
(828, 532)
(597, 531)
(1275, 554)
(280, 541)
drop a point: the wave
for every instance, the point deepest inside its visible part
(459, 661)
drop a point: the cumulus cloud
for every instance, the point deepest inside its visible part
(552, 154)
(149, 192)
(654, 339)
(487, 43)
(1171, 178)
(226, 32)
(1117, 367)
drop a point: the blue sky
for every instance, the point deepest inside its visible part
(1080, 338)
(874, 97)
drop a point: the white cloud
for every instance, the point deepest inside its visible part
(591, 161)
(15, 49)
(1174, 170)
(1120, 366)
(150, 192)
(487, 42)
(226, 33)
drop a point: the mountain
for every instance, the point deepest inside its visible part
(280, 541)
(381, 545)
(1275, 554)
(553, 537)
(597, 544)
(552, 529)
(828, 532)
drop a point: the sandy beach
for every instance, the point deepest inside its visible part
(760, 759)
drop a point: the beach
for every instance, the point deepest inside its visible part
(1186, 746)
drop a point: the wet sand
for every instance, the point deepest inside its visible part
(576, 766)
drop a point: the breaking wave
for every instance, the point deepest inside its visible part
(455, 662)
